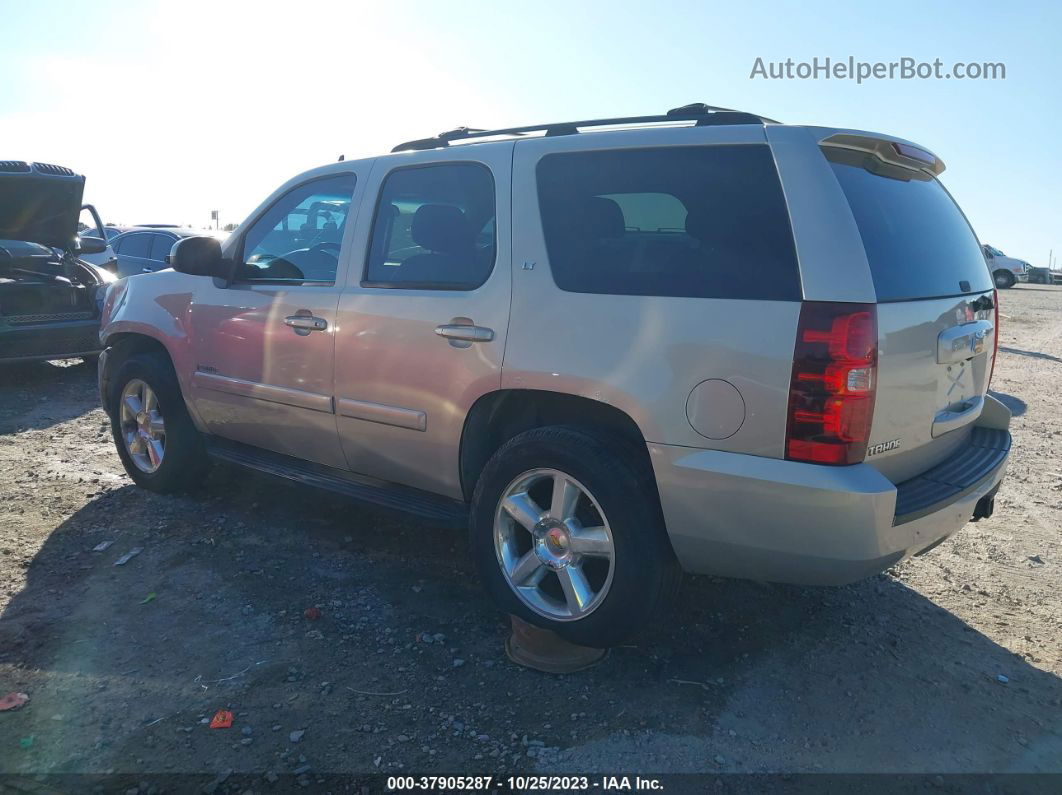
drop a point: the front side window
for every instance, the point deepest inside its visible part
(298, 238)
(135, 245)
(434, 228)
(691, 221)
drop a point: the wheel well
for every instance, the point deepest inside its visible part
(120, 347)
(499, 416)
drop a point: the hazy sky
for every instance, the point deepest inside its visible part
(173, 109)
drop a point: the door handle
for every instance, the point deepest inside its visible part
(950, 420)
(304, 324)
(465, 333)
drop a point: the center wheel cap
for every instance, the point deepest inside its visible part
(553, 544)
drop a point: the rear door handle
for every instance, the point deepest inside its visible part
(950, 420)
(465, 333)
(304, 324)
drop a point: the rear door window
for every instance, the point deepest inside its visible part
(161, 247)
(434, 228)
(918, 242)
(704, 221)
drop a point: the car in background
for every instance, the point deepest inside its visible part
(1006, 271)
(144, 249)
(1044, 276)
(50, 297)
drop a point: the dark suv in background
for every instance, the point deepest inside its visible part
(50, 299)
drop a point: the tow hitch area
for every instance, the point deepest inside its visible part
(985, 506)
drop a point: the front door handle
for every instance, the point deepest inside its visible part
(304, 324)
(465, 333)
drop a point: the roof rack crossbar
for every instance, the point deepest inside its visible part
(703, 115)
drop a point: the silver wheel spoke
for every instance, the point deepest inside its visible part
(131, 403)
(150, 403)
(157, 425)
(154, 451)
(592, 541)
(577, 591)
(528, 570)
(523, 509)
(565, 496)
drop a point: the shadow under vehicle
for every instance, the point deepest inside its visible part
(50, 298)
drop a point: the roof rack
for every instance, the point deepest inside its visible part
(703, 115)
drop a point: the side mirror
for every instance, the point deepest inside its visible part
(198, 256)
(91, 245)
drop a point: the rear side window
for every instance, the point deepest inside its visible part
(703, 222)
(434, 228)
(161, 247)
(918, 242)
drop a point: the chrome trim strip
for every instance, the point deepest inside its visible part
(271, 394)
(383, 414)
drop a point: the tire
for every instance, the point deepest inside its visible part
(1004, 279)
(617, 498)
(183, 460)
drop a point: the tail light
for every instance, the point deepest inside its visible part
(831, 394)
(995, 344)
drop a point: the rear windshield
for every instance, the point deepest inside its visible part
(918, 242)
(702, 222)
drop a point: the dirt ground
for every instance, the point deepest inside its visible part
(947, 663)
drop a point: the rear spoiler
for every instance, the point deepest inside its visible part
(890, 150)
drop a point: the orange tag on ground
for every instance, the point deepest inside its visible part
(222, 719)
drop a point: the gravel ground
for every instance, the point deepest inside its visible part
(947, 663)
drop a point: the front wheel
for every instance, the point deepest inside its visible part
(567, 534)
(157, 442)
(1004, 279)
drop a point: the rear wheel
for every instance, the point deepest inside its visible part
(1004, 279)
(159, 445)
(567, 534)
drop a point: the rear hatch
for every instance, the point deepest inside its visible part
(935, 311)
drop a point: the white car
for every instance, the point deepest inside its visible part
(1006, 271)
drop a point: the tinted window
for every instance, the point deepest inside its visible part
(135, 245)
(298, 237)
(161, 247)
(434, 228)
(918, 242)
(707, 221)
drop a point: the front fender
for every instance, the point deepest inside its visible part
(156, 306)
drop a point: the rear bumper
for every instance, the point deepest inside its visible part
(58, 340)
(743, 516)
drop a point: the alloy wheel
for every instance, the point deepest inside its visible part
(143, 427)
(554, 544)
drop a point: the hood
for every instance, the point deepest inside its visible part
(39, 203)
